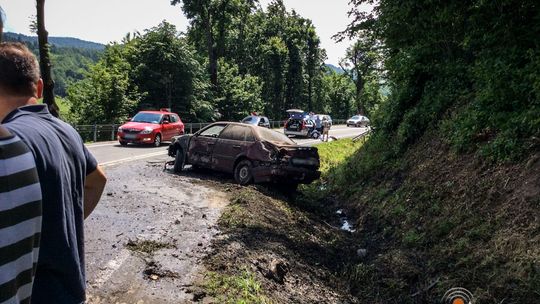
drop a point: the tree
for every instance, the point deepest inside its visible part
(239, 95)
(361, 61)
(106, 94)
(45, 61)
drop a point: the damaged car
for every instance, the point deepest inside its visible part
(252, 154)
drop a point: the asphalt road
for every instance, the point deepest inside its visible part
(111, 153)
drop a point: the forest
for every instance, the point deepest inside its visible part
(235, 58)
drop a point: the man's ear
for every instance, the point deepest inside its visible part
(39, 88)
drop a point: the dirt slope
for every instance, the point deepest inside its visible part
(446, 220)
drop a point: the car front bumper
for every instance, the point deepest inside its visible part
(284, 174)
(136, 138)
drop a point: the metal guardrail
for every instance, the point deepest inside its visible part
(107, 132)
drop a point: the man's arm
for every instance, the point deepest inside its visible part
(93, 188)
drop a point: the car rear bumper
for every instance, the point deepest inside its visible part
(284, 174)
(297, 133)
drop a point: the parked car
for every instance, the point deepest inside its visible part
(261, 121)
(358, 121)
(150, 127)
(299, 124)
(252, 154)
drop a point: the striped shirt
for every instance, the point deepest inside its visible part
(20, 220)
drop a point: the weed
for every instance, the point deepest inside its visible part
(237, 289)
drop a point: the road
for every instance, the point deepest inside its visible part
(111, 153)
(175, 215)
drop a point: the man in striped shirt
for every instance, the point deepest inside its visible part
(20, 219)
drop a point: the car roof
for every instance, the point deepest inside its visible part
(157, 112)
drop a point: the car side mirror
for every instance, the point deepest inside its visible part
(166, 122)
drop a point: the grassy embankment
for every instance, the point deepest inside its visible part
(278, 250)
(434, 218)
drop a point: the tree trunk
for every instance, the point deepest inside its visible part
(359, 88)
(212, 58)
(44, 59)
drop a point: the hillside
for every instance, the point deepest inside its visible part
(70, 57)
(335, 68)
(61, 42)
(446, 191)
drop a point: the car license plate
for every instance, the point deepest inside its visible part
(130, 136)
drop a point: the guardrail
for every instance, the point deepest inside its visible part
(108, 132)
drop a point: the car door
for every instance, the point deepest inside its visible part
(166, 127)
(177, 125)
(202, 145)
(232, 142)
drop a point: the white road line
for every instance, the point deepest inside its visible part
(128, 159)
(101, 145)
(104, 275)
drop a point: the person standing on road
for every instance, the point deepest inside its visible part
(71, 181)
(318, 124)
(326, 128)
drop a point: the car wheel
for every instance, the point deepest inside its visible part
(242, 173)
(157, 140)
(123, 143)
(179, 160)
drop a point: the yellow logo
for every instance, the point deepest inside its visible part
(458, 295)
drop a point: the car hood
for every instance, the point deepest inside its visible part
(138, 125)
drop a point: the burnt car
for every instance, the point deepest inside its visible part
(252, 154)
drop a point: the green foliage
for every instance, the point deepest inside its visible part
(69, 61)
(461, 63)
(105, 95)
(239, 94)
(150, 71)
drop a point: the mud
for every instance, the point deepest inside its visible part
(142, 204)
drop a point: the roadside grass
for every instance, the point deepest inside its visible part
(243, 288)
(332, 157)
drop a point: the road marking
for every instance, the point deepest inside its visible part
(128, 159)
(101, 145)
(105, 275)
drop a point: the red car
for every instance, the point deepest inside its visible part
(150, 127)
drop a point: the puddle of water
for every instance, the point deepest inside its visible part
(346, 226)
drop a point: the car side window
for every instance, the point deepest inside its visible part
(166, 118)
(174, 118)
(228, 133)
(213, 131)
(240, 133)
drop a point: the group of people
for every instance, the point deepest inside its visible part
(321, 125)
(49, 183)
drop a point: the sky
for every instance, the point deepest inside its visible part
(116, 18)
